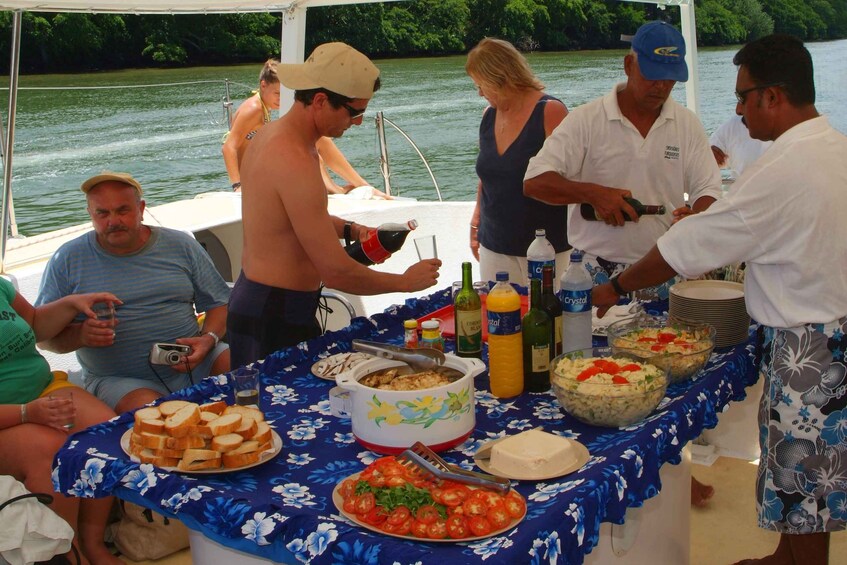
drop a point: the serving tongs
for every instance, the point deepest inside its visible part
(421, 359)
(422, 461)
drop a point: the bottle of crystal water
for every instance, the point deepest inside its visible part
(539, 254)
(575, 295)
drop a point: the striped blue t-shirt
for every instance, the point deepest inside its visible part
(160, 285)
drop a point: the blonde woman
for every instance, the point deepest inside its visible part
(520, 116)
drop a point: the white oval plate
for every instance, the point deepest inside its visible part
(332, 366)
(582, 457)
(264, 457)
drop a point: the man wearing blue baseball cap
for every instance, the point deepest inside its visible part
(635, 142)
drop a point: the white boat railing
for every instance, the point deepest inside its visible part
(384, 167)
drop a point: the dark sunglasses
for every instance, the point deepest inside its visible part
(354, 112)
(741, 96)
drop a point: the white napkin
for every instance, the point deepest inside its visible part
(31, 531)
(614, 314)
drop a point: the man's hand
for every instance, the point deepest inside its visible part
(200, 347)
(422, 275)
(603, 297)
(610, 206)
(97, 333)
(681, 213)
(720, 156)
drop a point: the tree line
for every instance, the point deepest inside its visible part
(85, 42)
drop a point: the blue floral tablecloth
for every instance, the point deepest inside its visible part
(282, 510)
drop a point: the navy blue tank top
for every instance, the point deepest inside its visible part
(508, 219)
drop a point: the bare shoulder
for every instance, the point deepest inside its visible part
(554, 112)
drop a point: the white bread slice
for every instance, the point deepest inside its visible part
(206, 417)
(216, 407)
(232, 460)
(169, 453)
(200, 430)
(248, 427)
(166, 461)
(146, 456)
(170, 407)
(263, 433)
(246, 447)
(197, 459)
(153, 441)
(179, 423)
(153, 426)
(147, 413)
(226, 424)
(189, 441)
(227, 442)
(248, 411)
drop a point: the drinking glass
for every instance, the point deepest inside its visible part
(246, 386)
(67, 412)
(426, 247)
(105, 312)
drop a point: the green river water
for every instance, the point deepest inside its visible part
(169, 136)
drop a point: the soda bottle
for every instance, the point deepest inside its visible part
(588, 213)
(505, 345)
(467, 310)
(380, 242)
(575, 295)
(539, 254)
(535, 327)
(550, 304)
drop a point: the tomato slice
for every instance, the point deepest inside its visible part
(365, 503)
(498, 516)
(515, 506)
(630, 367)
(474, 506)
(437, 529)
(399, 515)
(457, 526)
(666, 337)
(588, 373)
(658, 347)
(607, 366)
(646, 339)
(427, 514)
(479, 526)
(375, 516)
(619, 380)
(348, 487)
(455, 496)
(404, 528)
(350, 503)
(418, 529)
(395, 481)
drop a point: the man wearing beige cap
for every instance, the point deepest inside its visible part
(161, 275)
(291, 242)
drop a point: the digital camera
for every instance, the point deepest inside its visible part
(168, 353)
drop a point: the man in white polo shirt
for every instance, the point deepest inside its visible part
(733, 147)
(635, 141)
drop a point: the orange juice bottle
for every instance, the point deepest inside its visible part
(505, 343)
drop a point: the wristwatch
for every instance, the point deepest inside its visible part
(617, 285)
(215, 337)
(348, 232)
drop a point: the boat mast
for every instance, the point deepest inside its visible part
(6, 202)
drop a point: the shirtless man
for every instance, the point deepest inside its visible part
(291, 242)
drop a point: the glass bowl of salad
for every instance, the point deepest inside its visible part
(602, 388)
(682, 347)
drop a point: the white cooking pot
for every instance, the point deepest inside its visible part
(389, 421)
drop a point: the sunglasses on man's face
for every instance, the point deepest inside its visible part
(355, 113)
(741, 95)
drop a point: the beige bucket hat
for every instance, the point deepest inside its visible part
(336, 67)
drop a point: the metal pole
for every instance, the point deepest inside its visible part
(14, 65)
(384, 168)
(227, 103)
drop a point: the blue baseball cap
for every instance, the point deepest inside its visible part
(661, 52)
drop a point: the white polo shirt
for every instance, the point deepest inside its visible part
(597, 144)
(786, 218)
(733, 138)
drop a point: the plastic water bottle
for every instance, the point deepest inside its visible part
(539, 253)
(505, 341)
(575, 295)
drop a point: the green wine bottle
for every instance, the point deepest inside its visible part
(467, 309)
(536, 343)
(550, 304)
(588, 213)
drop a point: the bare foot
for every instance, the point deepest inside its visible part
(700, 493)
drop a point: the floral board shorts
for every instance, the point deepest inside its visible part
(801, 487)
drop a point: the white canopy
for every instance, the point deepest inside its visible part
(169, 6)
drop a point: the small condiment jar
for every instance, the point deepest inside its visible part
(410, 329)
(431, 334)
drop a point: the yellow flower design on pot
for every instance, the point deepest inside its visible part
(422, 411)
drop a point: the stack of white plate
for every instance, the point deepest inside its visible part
(717, 303)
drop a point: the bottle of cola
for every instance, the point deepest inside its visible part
(380, 242)
(588, 213)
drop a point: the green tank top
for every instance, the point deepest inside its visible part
(24, 373)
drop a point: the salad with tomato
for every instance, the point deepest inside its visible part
(388, 497)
